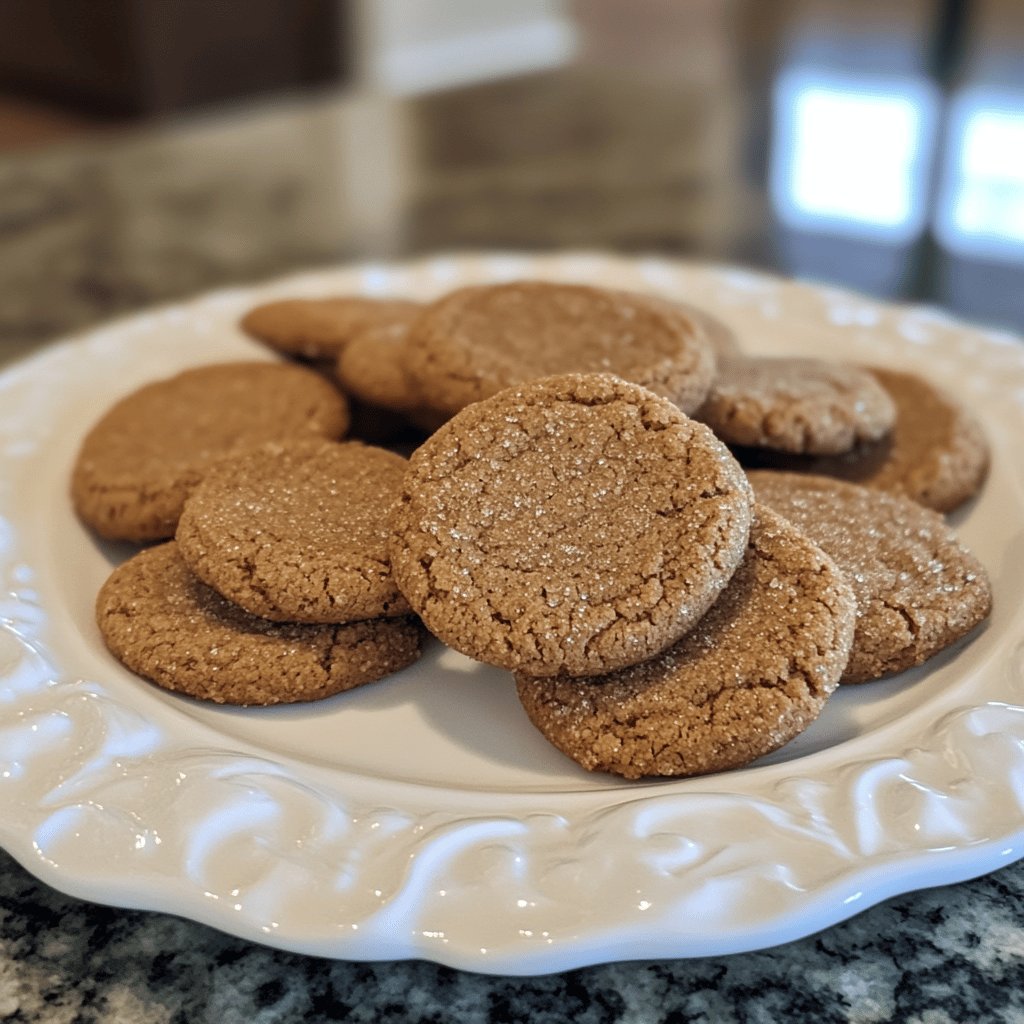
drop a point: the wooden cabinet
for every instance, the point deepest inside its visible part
(128, 57)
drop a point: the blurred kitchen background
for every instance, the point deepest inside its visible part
(154, 148)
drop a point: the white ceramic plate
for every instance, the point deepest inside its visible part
(423, 816)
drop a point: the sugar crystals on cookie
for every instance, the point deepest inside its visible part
(918, 588)
(753, 673)
(165, 625)
(575, 524)
(298, 532)
(144, 456)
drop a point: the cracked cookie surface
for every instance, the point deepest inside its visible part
(145, 455)
(575, 524)
(796, 405)
(164, 624)
(918, 589)
(753, 673)
(481, 339)
(298, 532)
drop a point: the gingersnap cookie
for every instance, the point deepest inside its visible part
(164, 624)
(139, 462)
(939, 454)
(918, 589)
(298, 532)
(796, 405)
(371, 366)
(318, 329)
(480, 339)
(371, 371)
(936, 453)
(752, 674)
(574, 524)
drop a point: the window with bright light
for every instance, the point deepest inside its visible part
(981, 212)
(850, 154)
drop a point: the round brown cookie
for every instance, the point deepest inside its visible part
(478, 340)
(139, 462)
(796, 405)
(318, 328)
(936, 454)
(753, 673)
(371, 366)
(574, 524)
(939, 454)
(918, 589)
(165, 625)
(371, 370)
(298, 532)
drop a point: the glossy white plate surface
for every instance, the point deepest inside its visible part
(423, 816)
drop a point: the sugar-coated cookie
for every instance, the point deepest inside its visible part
(936, 453)
(753, 673)
(918, 589)
(318, 329)
(796, 405)
(478, 340)
(574, 524)
(165, 625)
(143, 457)
(298, 532)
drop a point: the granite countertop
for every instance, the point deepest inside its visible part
(944, 956)
(105, 226)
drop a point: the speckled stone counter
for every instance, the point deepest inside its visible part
(111, 225)
(945, 956)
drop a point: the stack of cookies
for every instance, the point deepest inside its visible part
(576, 511)
(276, 588)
